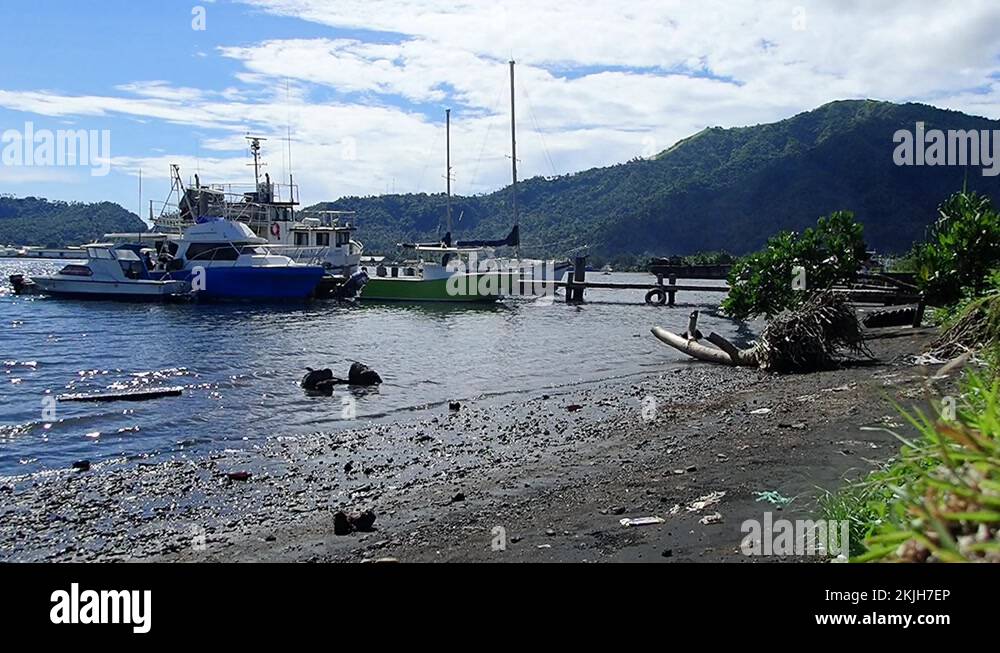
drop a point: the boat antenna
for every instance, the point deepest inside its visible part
(140, 201)
(255, 152)
(513, 154)
(447, 119)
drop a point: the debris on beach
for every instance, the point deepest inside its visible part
(127, 395)
(714, 518)
(641, 521)
(773, 497)
(706, 501)
(811, 337)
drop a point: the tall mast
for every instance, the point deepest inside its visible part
(447, 119)
(513, 144)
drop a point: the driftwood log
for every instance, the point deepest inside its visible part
(726, 354)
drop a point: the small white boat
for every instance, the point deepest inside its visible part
(109, 272)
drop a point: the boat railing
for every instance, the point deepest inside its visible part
(305, 255)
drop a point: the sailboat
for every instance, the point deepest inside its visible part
(444, 271)
(449, 271)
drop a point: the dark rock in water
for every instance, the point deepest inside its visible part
(317, 379)
(324, 380)
(238, 476)
(455, 406)
(574, 407)
(458, 497)
(348, 466)
(361, 374)
(341, 525)
(82, 465)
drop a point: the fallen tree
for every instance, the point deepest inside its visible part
(814, 336)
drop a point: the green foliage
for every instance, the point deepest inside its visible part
(962, 248)
(37, 221)
(761, 283)
(940, 499)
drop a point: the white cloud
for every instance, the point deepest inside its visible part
(599, 83)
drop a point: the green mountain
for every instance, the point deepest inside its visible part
(37, 221)
(720, 189)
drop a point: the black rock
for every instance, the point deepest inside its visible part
(455, 406)
(363, 521)
(82, 465)
(341, 525)
(361, 374)
(317, 379)
(458, 497)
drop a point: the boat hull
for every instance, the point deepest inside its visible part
(413, 289)
(270, 283)
(119, 290)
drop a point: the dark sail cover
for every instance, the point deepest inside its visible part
(513, 239)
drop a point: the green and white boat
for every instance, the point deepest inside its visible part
(442, 274)
(451, 272)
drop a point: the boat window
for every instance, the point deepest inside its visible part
(323, 239)
(76, 271)
(380, 271)
(301, 239)
(343, 237)
(410, 272)
(253, 249)
(211, 252)
(132, 269)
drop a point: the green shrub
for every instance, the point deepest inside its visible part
(761, 283)
(961, 250)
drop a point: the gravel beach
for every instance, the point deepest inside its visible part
(548, 477)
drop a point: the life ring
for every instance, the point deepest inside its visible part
(659, 293)
(276, 230)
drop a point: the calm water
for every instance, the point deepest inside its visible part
(240, 365)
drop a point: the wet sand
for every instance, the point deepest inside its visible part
(555, 470)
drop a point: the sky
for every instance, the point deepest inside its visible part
(351, 94)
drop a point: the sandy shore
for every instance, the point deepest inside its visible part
(556, 471)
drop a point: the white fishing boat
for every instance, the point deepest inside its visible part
(109, 272)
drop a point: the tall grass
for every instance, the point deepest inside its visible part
(940, 499)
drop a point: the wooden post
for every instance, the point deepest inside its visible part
(574, 293)
(918, 314)
(672, 281)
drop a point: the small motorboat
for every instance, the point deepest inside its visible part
(108, 272)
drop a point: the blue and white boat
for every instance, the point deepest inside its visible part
(224, 260)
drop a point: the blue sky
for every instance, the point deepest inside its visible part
(362, 84)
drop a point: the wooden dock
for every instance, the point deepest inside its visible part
(883, 289)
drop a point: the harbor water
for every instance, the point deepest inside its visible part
(240, 364)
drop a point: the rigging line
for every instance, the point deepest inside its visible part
(541, 136)
(489, 128)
